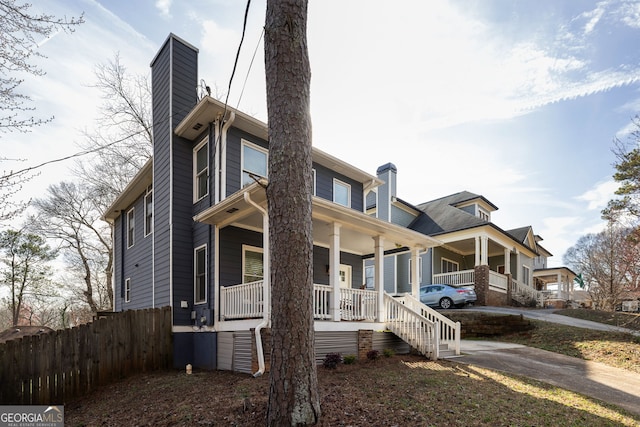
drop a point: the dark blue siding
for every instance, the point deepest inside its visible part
(231, 241)
(324, 186)
(321, 261)
(233, 151)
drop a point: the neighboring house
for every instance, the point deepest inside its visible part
(189, 232)
(505, 266)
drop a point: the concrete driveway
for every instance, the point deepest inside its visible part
(612, 385)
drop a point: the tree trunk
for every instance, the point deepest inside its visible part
(293, 393)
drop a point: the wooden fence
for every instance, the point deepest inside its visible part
(54, 368)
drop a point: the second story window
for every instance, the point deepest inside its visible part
(341, 193)
(148, 211)
(483, 215)
(254, 163)
(131, 227)
(201, 171)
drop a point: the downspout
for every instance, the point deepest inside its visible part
(266, 310)
(222, 180)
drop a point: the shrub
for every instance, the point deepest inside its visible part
(349, 359)
(388, 352)
(373, 354)
(332, 360)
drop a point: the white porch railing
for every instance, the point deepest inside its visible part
(520, 291)
(358, 304)
(242, 301)
(455, 278)
(418, 331)
(498, 280)
(449, 331)
(321, 302)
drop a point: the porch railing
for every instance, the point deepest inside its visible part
(242, 301)
(449, 331)
(498, 280)
(321, 302)
(455, 278)
(521, 292)
(420, 332)
(358, 304)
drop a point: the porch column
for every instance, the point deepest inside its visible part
(507, 261)
(415, 273)
(484, 255)
(334, 270)
(379, 275)
(477, 242)
(561, 287)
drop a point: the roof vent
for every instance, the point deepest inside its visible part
(197, 126)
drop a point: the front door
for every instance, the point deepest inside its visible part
(345, 276)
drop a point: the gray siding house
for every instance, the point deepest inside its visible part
(189, 234)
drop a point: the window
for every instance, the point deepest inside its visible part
(313, 171)
(483, 215)
(254, 163)
(127, 290)
(131, 227)
(200, 273)
(419, 270)
(148, 212)
(341, 193)
(369, 275)
(201, 171)
(449, 266)
(252, 264)
(525, 275)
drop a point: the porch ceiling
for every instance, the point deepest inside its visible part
(468, 247)
(356, 232)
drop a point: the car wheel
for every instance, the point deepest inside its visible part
(446, 303)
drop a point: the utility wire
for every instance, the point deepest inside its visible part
(249, 70)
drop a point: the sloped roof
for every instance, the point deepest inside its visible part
(441, 215)
(520, 234)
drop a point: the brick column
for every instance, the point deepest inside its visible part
(365, 343)
(482, 284)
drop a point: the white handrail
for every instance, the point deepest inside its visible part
(455, 278)
(449, 331)
(418, 331)
(498, 280)
(243, 301)
(322, 302)
(521, 290)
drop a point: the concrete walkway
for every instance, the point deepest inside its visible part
(612, 385)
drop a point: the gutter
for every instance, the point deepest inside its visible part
(266, 310)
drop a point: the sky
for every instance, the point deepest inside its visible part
(518, 101)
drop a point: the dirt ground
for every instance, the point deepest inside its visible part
(403, 390)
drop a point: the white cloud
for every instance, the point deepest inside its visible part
(630, 14)
(593, 17)
(164, 6)
(598, 196)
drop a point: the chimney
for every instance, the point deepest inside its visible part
(388, 174)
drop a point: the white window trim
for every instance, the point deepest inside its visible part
(483, 214)
(131, 237)
(246, 248)
(149, 193)
(457, 264)
(195, 275)
(195, 170)
(127, 289)
(313, 171)
(255, 147)
(528, 278)
(420, 265)
(348, 186)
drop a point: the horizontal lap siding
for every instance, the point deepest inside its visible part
(335, 342)
(232, 151)
(324, 186)
(384, 340)
(137, 262)
(161, 174)
(185, 74)
(231, 241)
(321, 261)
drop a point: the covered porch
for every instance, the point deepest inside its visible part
(497, 266)
(557, 285)
(337, 231)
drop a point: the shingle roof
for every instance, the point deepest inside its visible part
(441, 215)
(520, 234)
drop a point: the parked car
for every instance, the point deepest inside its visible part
(445, 296)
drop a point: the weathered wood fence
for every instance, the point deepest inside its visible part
(54, 368)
